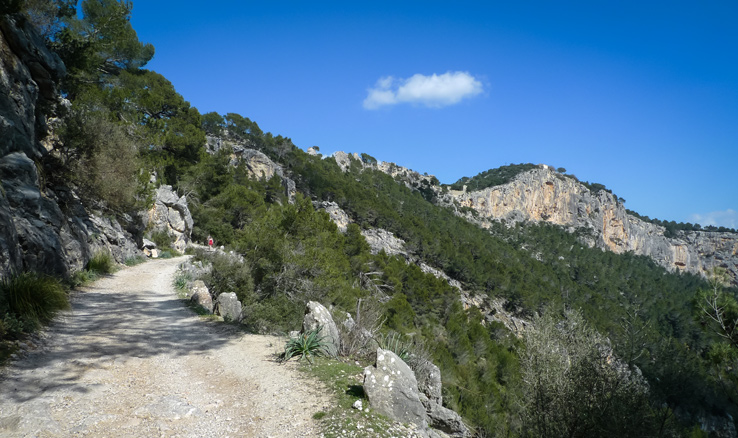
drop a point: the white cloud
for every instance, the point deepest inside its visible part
(433, 91)
(727, 218)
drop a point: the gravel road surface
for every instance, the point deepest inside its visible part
(130, 361)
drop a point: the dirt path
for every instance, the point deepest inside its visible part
(130, 361)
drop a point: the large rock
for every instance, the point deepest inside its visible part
(429, 383)
(171, 214)
(392, 389)
(195, 269)
(446, 421)
(229, 307)
(201, 296)
(316, 315)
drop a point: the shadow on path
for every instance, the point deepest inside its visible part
(110, 323)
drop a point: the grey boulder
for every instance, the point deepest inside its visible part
(229, 307)
(316, 315)
(392, 389)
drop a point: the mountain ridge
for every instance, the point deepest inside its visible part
(542, 194)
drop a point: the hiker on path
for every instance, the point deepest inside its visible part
(210, 243)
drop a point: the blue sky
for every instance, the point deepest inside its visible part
(639, 96)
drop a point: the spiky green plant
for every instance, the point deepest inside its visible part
(306, 345)
(181, 280)
(397, 344)
(32, 297)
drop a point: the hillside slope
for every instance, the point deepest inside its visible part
(545, 195)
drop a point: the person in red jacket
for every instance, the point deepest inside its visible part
(210, 242)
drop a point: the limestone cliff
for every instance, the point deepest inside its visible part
(43, 227)
(544, 195)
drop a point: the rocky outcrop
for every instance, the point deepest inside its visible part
(412, 179)
(43, 228)
(337, 215)
(50, 231)
(383, 240)
(258, 165)
(439, 274)
(544, 195)
(171, 214)
(28, 76)
(316, 315)
(344, 160)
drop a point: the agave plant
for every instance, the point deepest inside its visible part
(397, 344)
(306, 345)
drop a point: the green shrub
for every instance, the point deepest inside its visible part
(29, 299)
(166, 254)
(101, 263)
(306, 345)
(162, 239)
(133, 261)
(80, 278)
(229, 274)
(14, 327)
(100, 156)
(181, 281)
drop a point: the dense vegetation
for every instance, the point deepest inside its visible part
(492, 177)
(645, 311)
(132, 122)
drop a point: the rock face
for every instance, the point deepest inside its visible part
(42, 228)
(544, 195)
(258, 165)
(28, 84)
(392, 389)
(171, 215)
(316, 315)
(229, 307)
(379, 239)
(337, 215)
